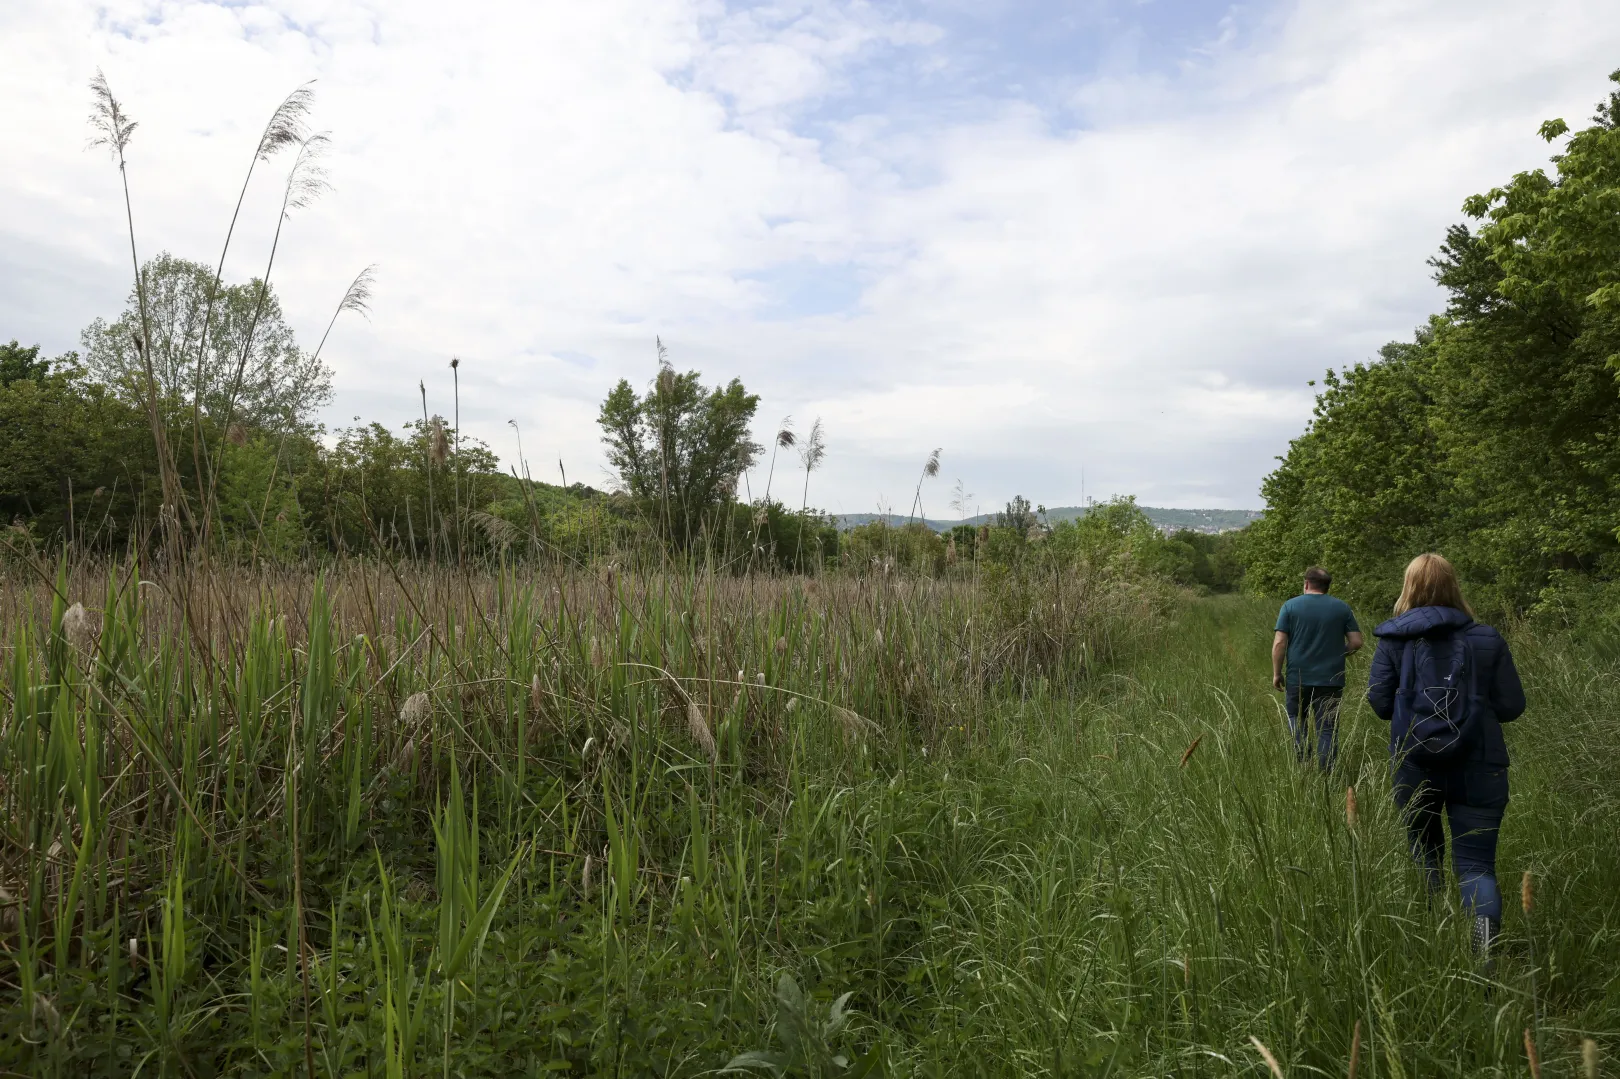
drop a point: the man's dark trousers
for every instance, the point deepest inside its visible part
(1313, 715)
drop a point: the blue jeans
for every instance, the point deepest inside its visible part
(1473, 797)
(1314, 711)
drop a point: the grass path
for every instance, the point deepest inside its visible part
(1109, 910)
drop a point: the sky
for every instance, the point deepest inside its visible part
(1086, 249)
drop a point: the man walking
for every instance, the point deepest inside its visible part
(1315, 632)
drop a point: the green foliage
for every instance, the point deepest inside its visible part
(1036, 876)
(679, 449)
(75, 460)
(18, 363)
(1490, 436)
(271, 381)
(879, 547)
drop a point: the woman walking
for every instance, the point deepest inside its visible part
(1446, 684)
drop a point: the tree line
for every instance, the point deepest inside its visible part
(1492, 435)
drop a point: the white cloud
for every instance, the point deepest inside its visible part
(1140, 285)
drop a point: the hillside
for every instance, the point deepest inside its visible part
(1167, 519)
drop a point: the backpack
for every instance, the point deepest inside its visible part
(1437, 700)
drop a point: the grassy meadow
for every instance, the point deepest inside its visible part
(400, 821)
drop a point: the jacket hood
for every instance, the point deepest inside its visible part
(1422, 621)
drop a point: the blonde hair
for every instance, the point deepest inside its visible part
(1431, 581)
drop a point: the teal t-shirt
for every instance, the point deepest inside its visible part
(1316, 624)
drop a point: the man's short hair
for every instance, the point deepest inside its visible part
(1319, 578)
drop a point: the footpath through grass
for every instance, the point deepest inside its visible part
(1134, 882)
(1109, 907)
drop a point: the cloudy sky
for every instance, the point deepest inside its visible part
(1109, 238)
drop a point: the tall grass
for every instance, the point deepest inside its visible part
(283, 822)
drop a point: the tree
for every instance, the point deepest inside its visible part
(1491, 435)
(679, 448)
(18, 363)
(280, 386)
(1018, 516)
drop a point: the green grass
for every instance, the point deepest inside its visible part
(974, 819)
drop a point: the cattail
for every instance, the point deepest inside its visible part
(80, 628)
(1531, 1054)
(134, 952)
(585, 881)
(596, 654)
(781, 646)
(1589, 1057)
(236, 435)
(416, 709)
(1187, 755)
(699, 728)
(438, 444)
(1350, 815)
(1271, 1061)
(1527, 894)
(1355, 1049)
(536, 695)
(759, 677)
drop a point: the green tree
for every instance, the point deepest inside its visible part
(279, 384)
(18, 363)
(75, 460)
(679, 449)
(1492, 435)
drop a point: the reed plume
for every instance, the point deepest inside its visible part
(1589, 1058)
(356, 298)
(415, 710)
(438, 443)
(113, 128)
(930, 470)
(306, 181)
(1265, 1054)
(699, 729)
(1187, 755)
(597, 662)
(80, 629)
(286, 127)
(1355, 1050)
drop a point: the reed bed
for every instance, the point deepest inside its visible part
(410, 821)
(235, 800)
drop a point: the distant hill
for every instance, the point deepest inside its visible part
(1167, 520)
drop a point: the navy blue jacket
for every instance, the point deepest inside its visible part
(1498, 678)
